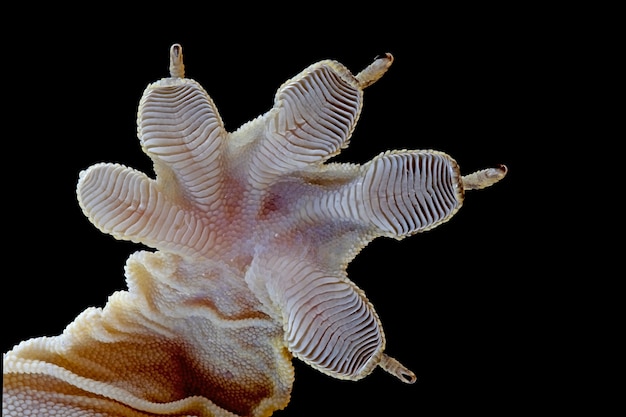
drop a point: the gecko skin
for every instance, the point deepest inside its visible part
(253, 231)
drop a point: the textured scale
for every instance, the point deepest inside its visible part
(253, 231)
(190, 146)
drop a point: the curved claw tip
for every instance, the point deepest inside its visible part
(395, 368)
(503, 169)
(375, 70)
(177, 68)
(484, 178)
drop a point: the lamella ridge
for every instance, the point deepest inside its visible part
(253, 231)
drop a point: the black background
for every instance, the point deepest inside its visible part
(454, 301)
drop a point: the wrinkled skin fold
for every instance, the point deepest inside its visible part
(165, 346)
(253, 231)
